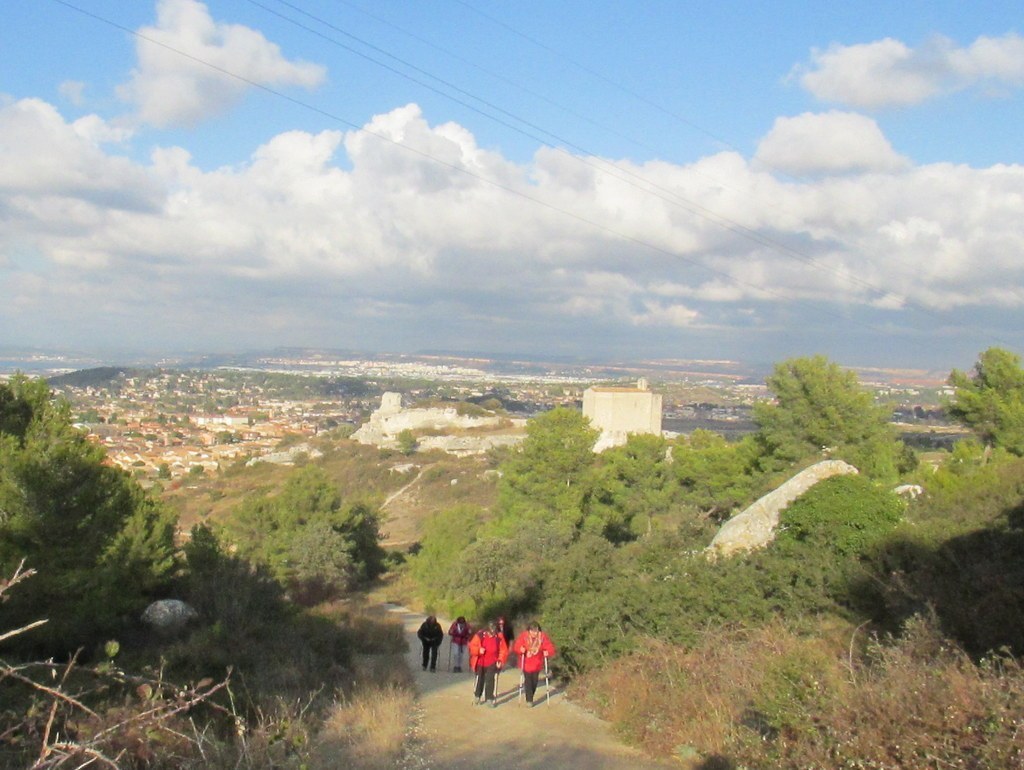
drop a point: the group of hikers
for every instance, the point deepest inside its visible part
(489, 649)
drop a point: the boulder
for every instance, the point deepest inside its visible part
(755, 527)
(913, 491)
(169, 615)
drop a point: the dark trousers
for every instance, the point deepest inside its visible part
(485, 680)
(430, 655)
(530, 679)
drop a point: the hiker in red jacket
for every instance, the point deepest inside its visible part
(460, 633)
(505, 629)
(533, 647)
(487, 654)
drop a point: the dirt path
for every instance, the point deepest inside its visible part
(402, 528)
(453, 734)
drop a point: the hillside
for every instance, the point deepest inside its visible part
(408, 489)
(98, 377)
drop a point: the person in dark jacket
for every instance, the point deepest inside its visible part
(461, 633)
(430, 635)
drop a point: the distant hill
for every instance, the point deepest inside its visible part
(95, 377)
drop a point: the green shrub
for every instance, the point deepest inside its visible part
(445, 538)
(844, 515)
(309, 539)
(961, 556)
(101, 546)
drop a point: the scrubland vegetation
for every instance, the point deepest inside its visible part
(874, 632)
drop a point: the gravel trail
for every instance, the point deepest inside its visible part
(450, 733)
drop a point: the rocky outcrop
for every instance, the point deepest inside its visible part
(390, 419)
(755, 527)
(462, 446)
(287, 456)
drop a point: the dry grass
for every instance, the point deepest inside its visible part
(367, 730)
(770, 698)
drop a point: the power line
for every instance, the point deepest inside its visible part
(491, 73)
(728, 277)
(598, 75)
(592, 160)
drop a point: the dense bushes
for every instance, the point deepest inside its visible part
(765, 697)
(602, 598)
(607, 600)
(244, 685)
(961, 556)
(841, 516)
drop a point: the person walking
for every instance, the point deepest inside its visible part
(487, 654)
(431, 635)
(534, 648)
(460, 633)
(505, 629)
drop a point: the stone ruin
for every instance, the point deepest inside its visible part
(390, 419)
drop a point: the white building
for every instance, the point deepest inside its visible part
(617, 412)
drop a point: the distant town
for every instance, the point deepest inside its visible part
(168, 419)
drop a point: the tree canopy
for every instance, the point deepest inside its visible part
(309, 538)
(821, 407)
(990, 400)
(101, 547)
(548, 476)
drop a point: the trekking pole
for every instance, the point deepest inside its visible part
(449, 656)
(522, 680)
(547, 682)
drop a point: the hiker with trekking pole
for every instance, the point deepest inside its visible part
(534, 648)
(487, 654)
(460, 633)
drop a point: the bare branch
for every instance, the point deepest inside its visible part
(14, 579)
(23, 629)
(52, 692)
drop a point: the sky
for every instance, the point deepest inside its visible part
(748, 181)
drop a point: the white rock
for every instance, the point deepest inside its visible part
(755, 527)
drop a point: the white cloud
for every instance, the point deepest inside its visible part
(889, 73)
(95, 130)
(73, 91)
(393, 241)
(191, 67)
(999, 59)
(659, 314)
(828, 143)
(42, 158)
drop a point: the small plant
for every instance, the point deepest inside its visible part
(407, 442)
